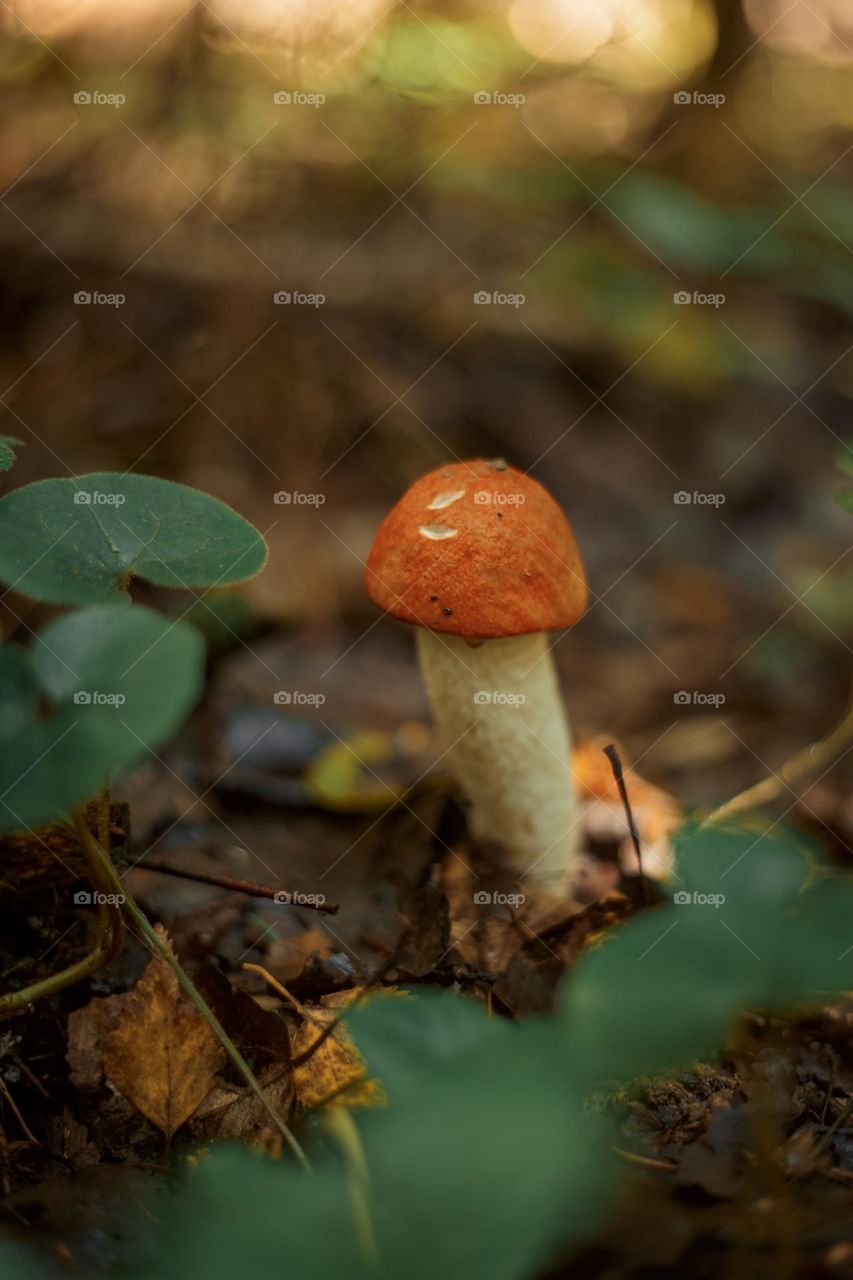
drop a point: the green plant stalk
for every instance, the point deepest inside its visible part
(110, 934)
(340, 1124)
(109, 872)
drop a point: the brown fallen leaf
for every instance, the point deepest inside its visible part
(162, 1055)
(336, 1071)
(230, 1111)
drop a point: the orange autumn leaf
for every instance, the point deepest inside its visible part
(162, 1055)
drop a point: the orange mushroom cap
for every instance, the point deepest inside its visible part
(478, 549)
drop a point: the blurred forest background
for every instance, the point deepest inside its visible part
(653, 195)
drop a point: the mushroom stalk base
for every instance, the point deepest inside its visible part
(498, 709)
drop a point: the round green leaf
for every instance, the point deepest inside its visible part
(99, 688)
(81, 540)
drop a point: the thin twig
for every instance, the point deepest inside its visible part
(30, 1136)
(834, 1127)
(616, 765)
(819, 754)
(239, 886)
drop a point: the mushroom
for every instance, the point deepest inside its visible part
(481, 559)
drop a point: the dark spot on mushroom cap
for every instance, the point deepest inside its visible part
(447, 612)
(498, 464)
(433, 597)
(499, 515)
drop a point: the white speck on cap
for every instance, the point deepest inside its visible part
(437, 531)
(445, 500)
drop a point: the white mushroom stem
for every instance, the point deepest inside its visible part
(498, 709)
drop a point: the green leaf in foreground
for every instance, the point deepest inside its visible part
(483, 1164)
(844, 498)
(82, 540)
(97, 689)
(9, 446)
(744, 930)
